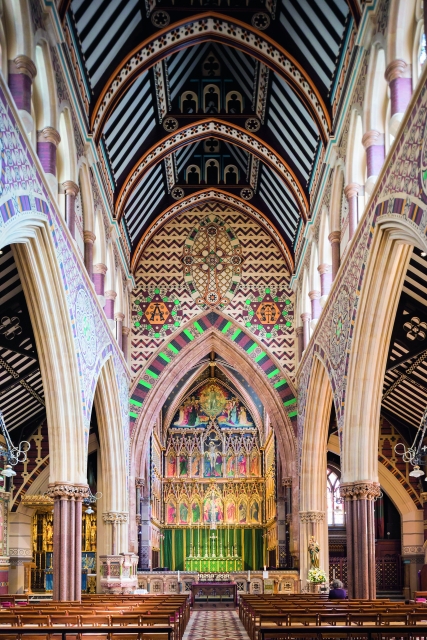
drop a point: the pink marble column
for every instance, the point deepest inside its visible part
(325, 271)
(119, 317)
(110, 297)
(71, 190)
(335, 240)
(89, 238)
(351, 192)
(399, 77)
(374, 143)
(360, 528)
(22, 72)
(125, 342)
(300, 341)
(47, 143)
(67, 536)
(99, 271)
(315, 304)
(306, 319)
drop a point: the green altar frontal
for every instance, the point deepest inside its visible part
(213, 564)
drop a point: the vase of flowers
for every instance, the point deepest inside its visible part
(316, 577)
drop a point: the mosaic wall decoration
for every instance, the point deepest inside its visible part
(262, 277)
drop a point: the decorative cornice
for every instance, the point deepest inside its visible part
(37, 501)
(25, 65)
(49, 134)
(70, 188)
(360, 490)
(115, 517)
(311, 516)
(64, 490)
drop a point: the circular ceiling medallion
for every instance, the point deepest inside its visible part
(260, 21)
(170, 124)
(177, 193)
(160, 18)
(252, 124)
(247, 194)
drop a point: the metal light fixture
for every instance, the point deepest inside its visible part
(416, 453)
(11, 454)
(91, 499)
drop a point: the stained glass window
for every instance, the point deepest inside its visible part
(335, 505)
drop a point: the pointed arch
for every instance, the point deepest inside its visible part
(211, 27)
(45, 91)
(196, 131)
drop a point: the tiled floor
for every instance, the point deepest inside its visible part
(215, 625)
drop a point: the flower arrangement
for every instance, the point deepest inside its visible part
(317, 576)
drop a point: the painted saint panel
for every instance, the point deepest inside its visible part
(171, 513)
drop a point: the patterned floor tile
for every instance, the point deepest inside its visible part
(215, 625)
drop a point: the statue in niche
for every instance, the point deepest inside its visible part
(193, 176)
(211, 101)
(212, 173)
(233, 105)
(314, 550)
(189, 104)
(231, 176)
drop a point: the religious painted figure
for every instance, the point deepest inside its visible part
(183, 513)
(171, 513)
(231, 512)
(230, 467)
(255, 511)
(242, 512)
(241, 463)
(171, 466)
(183, 465)
(195, 466)
(195, 508)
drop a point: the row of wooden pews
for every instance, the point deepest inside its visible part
(146, 617)
(265, 617)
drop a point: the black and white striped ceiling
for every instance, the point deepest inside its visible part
(21, 387)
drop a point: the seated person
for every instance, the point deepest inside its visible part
(337, 592)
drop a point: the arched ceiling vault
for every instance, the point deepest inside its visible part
(179, 99)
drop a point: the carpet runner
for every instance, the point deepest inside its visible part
(215, 625)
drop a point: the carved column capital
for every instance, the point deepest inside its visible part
(138, 519)
(396, 69)
(70, 188)
(139, 482)
(360, 490)
(324, 268)
(119, 316)
(299, 331)
(352, 189)
(110, 295)
(314, 295)
(100, 268)
(125, 331)
(334, 236)
(311, 516)
(287, 482)
(49, 134)
(89, 236)
(24, 64)
(305, 316)
(372, 137)
(67, 491)
(115, 517)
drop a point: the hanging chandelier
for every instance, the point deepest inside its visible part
(415, 455)
(91, 499)
(11, 454)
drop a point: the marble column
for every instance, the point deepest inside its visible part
(47, 144)
(67, 539)
(119, 317)
(125, 342)
(351, 192)
(22, 72)
(399, 77)
(325, 271)
(374, 143)
(115, 519)
(300, 341)
(99, 272)
(315, 304)
(71, 190)
(335, 239)
(360, 527)
(89, 238)
(306, 318)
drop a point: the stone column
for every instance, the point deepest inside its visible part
(374, 143)
(335, 240)
(5, 561)
(125, 342)
(399, 77)
(115, 519)
(22, 72)
(300, 341)
(359, 502)
(99, 271)
(313, 523)
(47, 143)
(352, 191)
(71, 190)
(315, 304)
(325, 271)
(119, 317)
(89, 239)
(306, 318)
(67, 539)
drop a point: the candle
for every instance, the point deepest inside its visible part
(178, 575)
(265, 567)
(249, 576)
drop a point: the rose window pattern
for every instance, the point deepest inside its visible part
(212, 262)
(269, 313)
